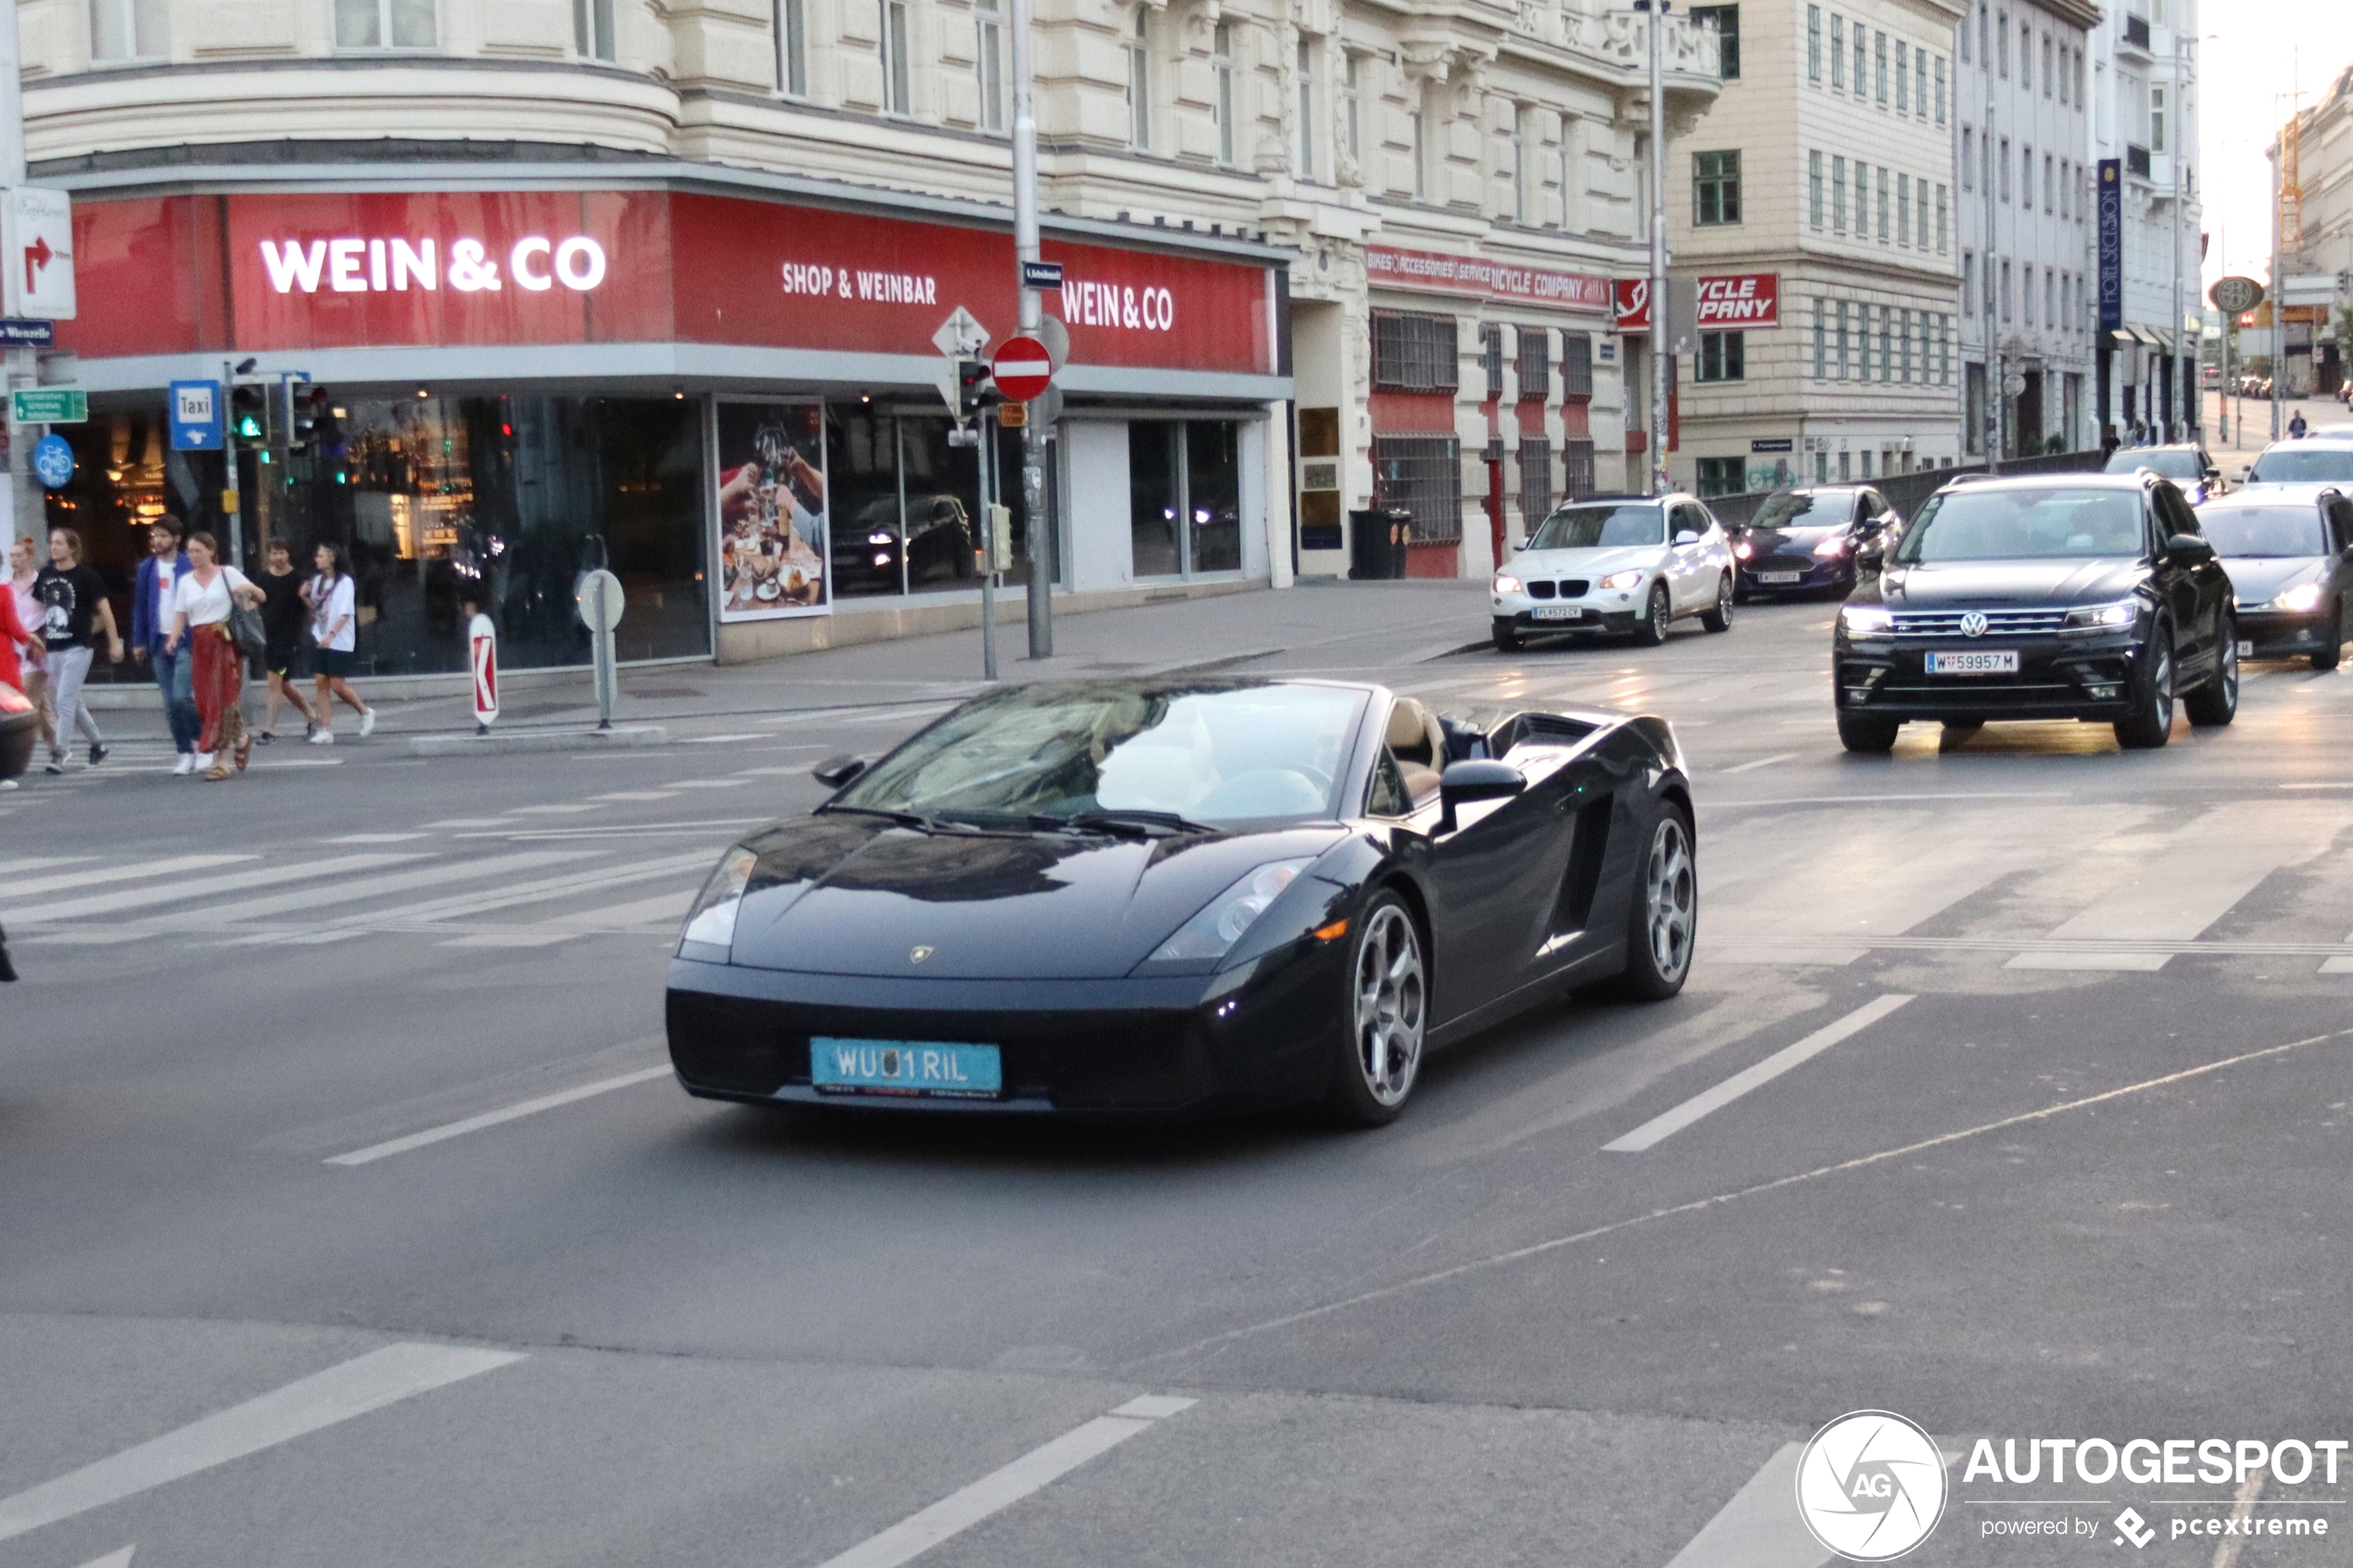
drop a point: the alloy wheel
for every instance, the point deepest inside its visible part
(2161, 688)
(1391, 999)
(1670, 892)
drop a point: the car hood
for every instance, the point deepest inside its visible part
(2001, 584)
(1796, 539)
(836, 893)
(2260, 579)
(1582, 563)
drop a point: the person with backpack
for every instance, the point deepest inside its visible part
(74, 616)
(333, 601)
(201, 603)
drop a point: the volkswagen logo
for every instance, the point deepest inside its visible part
(1870, 1486)
(1973, 624)
(917, 955)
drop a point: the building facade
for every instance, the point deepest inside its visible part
(1824, 182)
(2316, 237)
(2143, 153)
(2029, 316)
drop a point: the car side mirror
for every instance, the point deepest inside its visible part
(1685, 536)
(2188, 549)
(2213, 473)
(1871, 552)
(836, 771)
(1477, 779)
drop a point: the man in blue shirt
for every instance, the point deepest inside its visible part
(151, 626)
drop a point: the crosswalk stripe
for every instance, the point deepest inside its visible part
(527, 893)
(39, 884)
(669, 907)
(1759, 1528)
(201, 887)
(376, 887)
(41, 862)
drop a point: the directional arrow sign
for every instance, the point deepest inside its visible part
(1023, 369)
(960, 336)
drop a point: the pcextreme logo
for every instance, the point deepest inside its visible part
(1870, 1486)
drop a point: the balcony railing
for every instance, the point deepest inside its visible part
(2136, 32)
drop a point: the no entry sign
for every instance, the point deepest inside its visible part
(1023, 369)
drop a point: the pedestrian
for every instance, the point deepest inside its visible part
(74, 614)
(200, 605)
(13, 635)
(333, 603)
(24, 568)
(2297, 427)
(281, 619)
(7, 970)
(165, 563)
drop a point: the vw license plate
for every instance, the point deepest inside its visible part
(1559, 612)
(1771, 579)
(1994, 661)
(929, 1068)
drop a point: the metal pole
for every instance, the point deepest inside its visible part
(988, 455)
(25, 507)
(2173, 146)
(1658, 9)
(1041, 539)
(2279, 327)
(1997, 369)
(604, 658)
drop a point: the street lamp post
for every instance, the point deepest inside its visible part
(1996, 362)
(1658, 10)
(1025, 249)
(2178, 393)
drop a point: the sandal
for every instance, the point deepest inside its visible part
(244, 751)
(219, 772)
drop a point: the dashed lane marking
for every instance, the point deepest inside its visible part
(515, 1112)
(1666, 1123)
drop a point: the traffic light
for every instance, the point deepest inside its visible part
(972, 387)
(248, 413)
(307, 410)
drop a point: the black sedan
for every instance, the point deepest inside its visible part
(2289, 551)
(2091, 596)
(1804, 541)
(1147, 897)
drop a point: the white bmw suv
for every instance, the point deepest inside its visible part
(1617, 564)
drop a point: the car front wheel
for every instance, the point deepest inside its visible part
(1652, 631)
(1388, 1005)
(1860, 733)
(1664, 922)
(2331, 641)
(2151, 725)
(1720, 618)
(2217, 702)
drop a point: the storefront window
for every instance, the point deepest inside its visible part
(907, 504)
(1213, 493)
(1191, 472)
(1153, 503)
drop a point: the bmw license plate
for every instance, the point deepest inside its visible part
(1993, 661)
(1774, 579)
(927, 1068)
(1559, 612)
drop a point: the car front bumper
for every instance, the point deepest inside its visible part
(2279, 634)
(1265, 1032)
(1815, 577)
(2089, 678)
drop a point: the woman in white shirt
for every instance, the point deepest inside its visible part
(333, 622)
(201, 599)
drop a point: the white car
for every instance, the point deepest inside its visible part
(1623, 563)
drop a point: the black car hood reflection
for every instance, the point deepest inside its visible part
(1991, 584)
(843, 895)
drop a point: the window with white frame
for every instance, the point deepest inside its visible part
(1920, 82)
(1814, 189)
(899, 95)
(1352, 121)
(1306, 109)
(592, 26)
(1838, 53)
(1903, 77)
(1822, 338)
(1862, 60)
(1139, 82)
(1221, 65)
(130, 29)
(792, 47)
(1515, 152)
(385, 24)
(1813, 44)
(1941, 229)
(2156, 116)
(1969, 283)
(988, 62)
(1940, 85)
(1903, 209)
(1421, 152)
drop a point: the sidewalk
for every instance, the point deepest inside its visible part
(2249, 431)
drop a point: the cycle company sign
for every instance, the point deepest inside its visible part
(1739, 301)
(1479, 277)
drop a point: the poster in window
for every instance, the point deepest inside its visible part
(773, 559)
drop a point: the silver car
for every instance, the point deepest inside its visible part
(1616, 564)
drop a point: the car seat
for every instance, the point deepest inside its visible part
(1419, 744)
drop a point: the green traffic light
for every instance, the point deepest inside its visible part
(248, 427)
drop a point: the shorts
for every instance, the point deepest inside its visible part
(278, 658)
(333, 663)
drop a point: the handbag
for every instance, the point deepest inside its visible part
(245, 629)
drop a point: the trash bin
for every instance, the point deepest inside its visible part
(1377, 540)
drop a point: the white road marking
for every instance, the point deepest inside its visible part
(706, 784)
(1759, 1528)
(638, 795)
(526, 892)
(2130, 963)
(323, 1400)
(515, 1112)
(563, 811)
(41, 862)
(371, 888)
(1884, 799)
(721, 740)
(114, 1559)
(202, 887)
(666, 908)
(521, 937)
(373, 838)
(1669, 1122)
(2342, 783)
(12, 891)
(469, 822)
(998, 1490)
(1761, 762)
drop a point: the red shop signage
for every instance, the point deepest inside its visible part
(1631, 297)
(274, 272)
(1386, 266)
(1742, 299)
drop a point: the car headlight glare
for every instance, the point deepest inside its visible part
(1831, 547)
(1743, 549)
(1212, 932)
(1865, 621)
(1506, 583)
(2102, 618)
(2304, 595)
(1621, 580)
(711, 922)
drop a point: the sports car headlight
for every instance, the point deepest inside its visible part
(1506, 583)
(2304, 595)
(1621, 580)
(711, 922)
(1865, 621)
(2102, 618)
(1212, 932)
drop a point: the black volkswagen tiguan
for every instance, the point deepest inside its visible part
(2077, 595)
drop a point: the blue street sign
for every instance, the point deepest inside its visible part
(1042, 274)
(52, 461)
(2110, 210)
(14, 333)
(195, 415)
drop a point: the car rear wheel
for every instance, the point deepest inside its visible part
(1507, 641)
(1858, 733)
(1720, 618)
(2217, 702)
(2331, 641)
(1664, 922)
(2151, 725)
(1652, 631)
(1388, 1009)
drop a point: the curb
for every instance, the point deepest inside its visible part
(537, 740)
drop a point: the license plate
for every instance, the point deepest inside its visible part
(2246, 649)
(1770, 578)
(925, 1068)
(1559, 612)
(2003, 661)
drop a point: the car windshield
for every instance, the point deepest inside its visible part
(1209, 755)
(2023, 524)
(2325, 463)
(1805, 509)
(1591, 528)
(2264, 531)
(2173, 462)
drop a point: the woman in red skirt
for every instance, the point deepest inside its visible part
(201, 600)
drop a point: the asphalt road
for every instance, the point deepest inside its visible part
(351, 1218)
